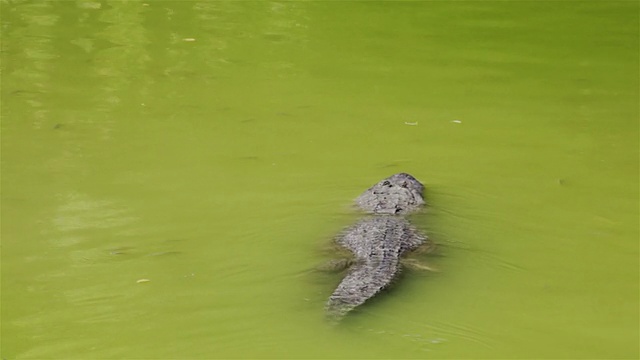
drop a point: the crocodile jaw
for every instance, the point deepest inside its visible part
(398, 194)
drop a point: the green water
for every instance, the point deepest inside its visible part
(173, 170)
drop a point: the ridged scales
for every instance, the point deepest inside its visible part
(378, 241)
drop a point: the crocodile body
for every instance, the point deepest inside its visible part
(378, 241)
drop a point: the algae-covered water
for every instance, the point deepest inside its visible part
(173, 172)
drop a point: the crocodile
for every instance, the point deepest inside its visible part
(378, 241)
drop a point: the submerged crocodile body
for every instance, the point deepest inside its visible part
(378, 241)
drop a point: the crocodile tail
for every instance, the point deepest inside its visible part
(361, 283)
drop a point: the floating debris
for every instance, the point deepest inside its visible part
(140, 281)
(189, 39)
(411, 123)
(457, 121)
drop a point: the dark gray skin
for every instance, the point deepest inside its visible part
(378, 241)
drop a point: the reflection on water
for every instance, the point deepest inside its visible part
(79, 212)
(122, 64)
(31, 63)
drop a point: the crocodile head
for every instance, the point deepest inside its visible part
(397, 194)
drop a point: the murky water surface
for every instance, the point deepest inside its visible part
(173, 170)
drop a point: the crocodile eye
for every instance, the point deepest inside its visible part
(386, 183)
